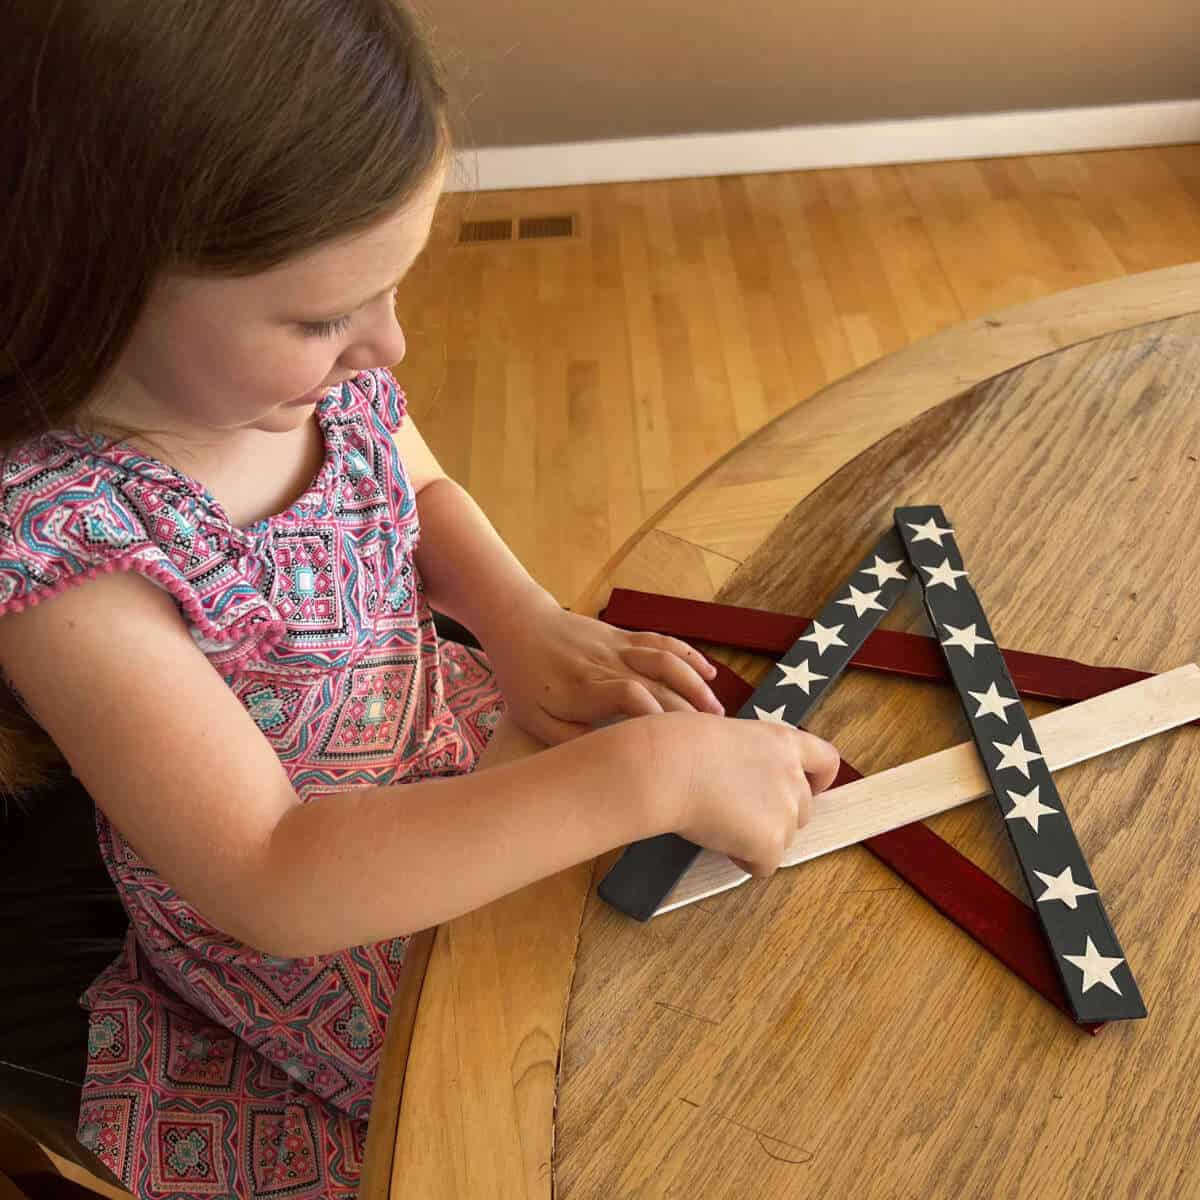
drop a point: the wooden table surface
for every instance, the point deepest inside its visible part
(826, 1032)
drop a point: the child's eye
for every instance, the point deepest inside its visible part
(325, 328)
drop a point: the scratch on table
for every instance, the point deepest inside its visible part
(762, 1138)
(684, 1012)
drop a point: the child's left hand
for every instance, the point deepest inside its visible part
(562, 673)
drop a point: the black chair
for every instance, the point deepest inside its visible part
(62, 923)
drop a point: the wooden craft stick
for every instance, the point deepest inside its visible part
(911, 655)
(1087, 953)
(952, 777)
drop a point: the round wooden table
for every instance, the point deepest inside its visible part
(826, 1032)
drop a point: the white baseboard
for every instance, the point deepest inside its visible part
(989, 135)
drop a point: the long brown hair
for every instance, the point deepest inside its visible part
(141, 136)
(218, 135)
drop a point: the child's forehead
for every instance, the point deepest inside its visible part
(332, 277)
(383, 249)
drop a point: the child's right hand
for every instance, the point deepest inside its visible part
(749, 784)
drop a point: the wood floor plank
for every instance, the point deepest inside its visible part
(686, 314)
(809, 346)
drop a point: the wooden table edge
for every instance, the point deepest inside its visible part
(942, 366)
(393, 1063)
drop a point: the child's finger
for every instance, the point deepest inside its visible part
(664, 667)
(554, 730)
(821, 761)
(689, 654)
(607, 698)
(670, 701)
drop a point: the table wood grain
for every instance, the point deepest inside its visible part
(826, 1030)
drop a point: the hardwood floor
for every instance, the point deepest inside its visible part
(574, 385)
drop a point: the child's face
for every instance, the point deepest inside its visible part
(258, 352)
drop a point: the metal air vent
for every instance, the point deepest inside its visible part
(546, 227)
(484, 231)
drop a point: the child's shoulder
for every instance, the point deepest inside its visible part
(73, 507)
(62, 493)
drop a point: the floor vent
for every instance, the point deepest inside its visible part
(484, 231)
(546, 227)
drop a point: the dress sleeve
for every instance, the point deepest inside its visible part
(64, 521)
(384, 396)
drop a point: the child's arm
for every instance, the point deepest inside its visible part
(180, 768)
(460, 551)
(560, 672)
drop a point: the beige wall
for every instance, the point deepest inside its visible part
(534, 71)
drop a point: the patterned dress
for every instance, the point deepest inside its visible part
(213, 1069)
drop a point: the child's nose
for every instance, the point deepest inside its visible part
(392, 342)
(381, 345)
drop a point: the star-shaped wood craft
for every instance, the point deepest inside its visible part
(1012, 758)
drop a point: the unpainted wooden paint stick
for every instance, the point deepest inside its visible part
(941, 781)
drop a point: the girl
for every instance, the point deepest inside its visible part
(209, 472)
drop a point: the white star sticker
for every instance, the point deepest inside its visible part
(929, 532)
(801, 676)
(1063, 887)
(825, 636)
(991, 703)
(1015, 757)
(776, 714)
(1027, 807)
(944, 574)
(965, 638)
(883, 571)
(862, 601)
(1096, 967)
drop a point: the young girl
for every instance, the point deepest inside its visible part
(220, 541)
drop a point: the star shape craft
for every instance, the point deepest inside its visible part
(883, 571)
(928, 531)
(944, 574)
(965, 638)
(801, 675)
(824, 636)
(991, 703)
(1063, 887)
(640, 882)
(1014, 756)
(861, 602)
(775, 715)
(1096, 967)
(1027, 807)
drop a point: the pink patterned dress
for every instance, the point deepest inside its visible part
(213, 1069)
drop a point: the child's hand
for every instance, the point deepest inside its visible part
(748, 785)
(562, 673)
